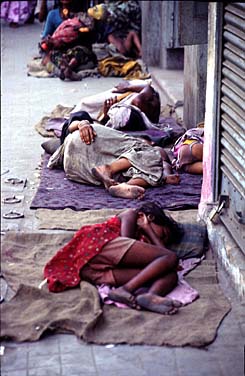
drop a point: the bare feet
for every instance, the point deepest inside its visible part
(103, 174)
(122, 296)
(172, 179)
(125, 190)
(158, 304)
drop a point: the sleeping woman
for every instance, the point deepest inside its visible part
(125, 165)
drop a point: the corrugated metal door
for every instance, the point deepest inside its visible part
(232, 121)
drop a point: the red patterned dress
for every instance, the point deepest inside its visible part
(62, 271)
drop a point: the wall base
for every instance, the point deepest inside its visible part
(229, 254)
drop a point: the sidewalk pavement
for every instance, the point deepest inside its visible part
(24, 100)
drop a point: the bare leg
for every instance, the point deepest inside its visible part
(169, 177)
(158, 267)
(132, 40)
(134, 188)
(194, 168)
(197, 151)
(118, 43)
(191, 157)
(105, 173)
(126, 190)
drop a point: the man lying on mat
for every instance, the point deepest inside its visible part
(125, 165)
(129, 106)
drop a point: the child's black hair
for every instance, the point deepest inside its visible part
(160, 218)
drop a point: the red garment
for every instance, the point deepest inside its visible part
(67, 31)
(62, 271)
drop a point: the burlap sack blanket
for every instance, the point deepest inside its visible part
(68, 219)
(32, 312)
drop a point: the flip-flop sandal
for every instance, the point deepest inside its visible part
(11, 200)
(4, 172)
(13, 181)
(13, 215)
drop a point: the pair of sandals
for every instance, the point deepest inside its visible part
(12, 214)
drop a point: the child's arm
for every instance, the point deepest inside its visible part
(145, 224)
(125, 86)
(128, 223)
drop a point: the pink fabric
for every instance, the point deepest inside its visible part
(67, 31)
(17, 11)
(183, 292)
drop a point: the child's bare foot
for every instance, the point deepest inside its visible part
(125, 190)
(122, 296)
(103, 174)
(172, 179)
(158, 304)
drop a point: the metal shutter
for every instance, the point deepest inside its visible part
(232, 140)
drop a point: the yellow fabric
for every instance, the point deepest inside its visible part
(121, 67)
(188, 142)
(98, 12)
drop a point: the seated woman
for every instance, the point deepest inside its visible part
(17, 13)
(95, 154)
(67, 41)
(65, 9)
(188, 151)
(134, 254)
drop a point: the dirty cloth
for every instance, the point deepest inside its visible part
(78, 159)
(32, 312)
(35, 68)
(55, 191)
(121, 66)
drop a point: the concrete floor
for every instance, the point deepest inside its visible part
(24, 100)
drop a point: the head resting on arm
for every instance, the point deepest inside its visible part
(156, 215)
(148, 101)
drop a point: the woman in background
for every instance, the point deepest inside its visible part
(18, 12)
